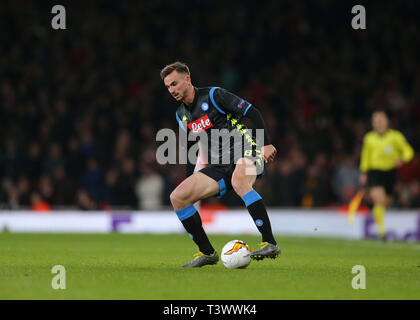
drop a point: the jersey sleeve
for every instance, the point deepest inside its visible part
(230, 103)
(181, 123)
(404, 148)
(364, 156)
(227, 102)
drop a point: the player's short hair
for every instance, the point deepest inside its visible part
(175, 66)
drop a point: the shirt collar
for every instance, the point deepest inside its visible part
(195, 98)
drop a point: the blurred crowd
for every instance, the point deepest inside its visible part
(80, 108)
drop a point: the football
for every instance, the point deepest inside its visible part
(236, 255)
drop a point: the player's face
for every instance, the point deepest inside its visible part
(177, 84)
(380, 122)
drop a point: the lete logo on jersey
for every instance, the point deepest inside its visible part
(200, 124)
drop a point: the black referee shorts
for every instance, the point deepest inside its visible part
(384, 179)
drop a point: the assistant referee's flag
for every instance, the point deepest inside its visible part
(354, 205)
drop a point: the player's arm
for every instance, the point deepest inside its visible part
(405, 149)
(364, 161)
(268, 150)
(364, 155)
(241, 108)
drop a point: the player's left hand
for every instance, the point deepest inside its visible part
(268, 152)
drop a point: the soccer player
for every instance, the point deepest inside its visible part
(210, 111)
(383, 151)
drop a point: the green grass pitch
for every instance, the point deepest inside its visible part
(134, 266)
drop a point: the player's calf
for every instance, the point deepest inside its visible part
(258, 212)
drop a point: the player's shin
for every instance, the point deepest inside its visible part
(192, 223)
(258, 212)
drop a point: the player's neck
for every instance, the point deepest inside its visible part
(382, 132)
(189, 99)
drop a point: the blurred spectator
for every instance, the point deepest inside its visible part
(54, 159)
(33, 162)
(314, 187)
(345, 178)
(415, 194)
(75, 161)
(124, 147)
(110, 187)
(93, 179)
(84, 202)
(38, 204)
(125, 184)
(11, 160)
(298, 176)
(23, 188)
(11, 195)
(78, 116)
(286, 195)
(63, 194)
(46, 189)
(149, 188)
(408, 195)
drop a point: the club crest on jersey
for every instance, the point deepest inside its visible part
(200, 124)
(204, 106)
(241, 103)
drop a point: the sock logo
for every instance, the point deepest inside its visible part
(259, 222)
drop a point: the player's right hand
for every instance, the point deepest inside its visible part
(269, 152)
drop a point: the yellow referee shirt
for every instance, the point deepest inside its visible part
(379, 152)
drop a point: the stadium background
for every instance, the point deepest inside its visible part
(80, 108)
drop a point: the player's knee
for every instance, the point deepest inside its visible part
(378, 196)
(178, 199)
(240, 184)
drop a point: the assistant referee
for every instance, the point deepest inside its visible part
(383, 151)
